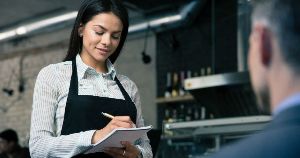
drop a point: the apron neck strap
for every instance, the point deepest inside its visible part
(125, 94)
(73, 90)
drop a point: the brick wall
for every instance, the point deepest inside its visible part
(16, 109)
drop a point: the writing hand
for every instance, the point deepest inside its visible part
(116, 122)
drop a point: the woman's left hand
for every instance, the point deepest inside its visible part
(129, 151)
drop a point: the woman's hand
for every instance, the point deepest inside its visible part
(128, 151)
(116, 122)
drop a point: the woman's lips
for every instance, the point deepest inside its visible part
(103, 51)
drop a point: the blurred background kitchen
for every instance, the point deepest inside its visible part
(187, 57)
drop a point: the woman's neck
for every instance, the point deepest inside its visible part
(98, 66)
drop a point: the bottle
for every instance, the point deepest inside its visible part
(168, 86)
(189, 74)
(211, 116)
(167, 115)
(208, 71)
(196, 113)
(181, 114)
(203, 112)
(195, 74)
(189, 113)
(174, 115)
(181, 87)
(175, 85)
(202, 71)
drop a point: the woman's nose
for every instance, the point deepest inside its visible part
(106, 40)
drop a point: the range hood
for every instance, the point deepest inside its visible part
(225, 95)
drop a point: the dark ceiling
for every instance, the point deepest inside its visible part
(14, 12)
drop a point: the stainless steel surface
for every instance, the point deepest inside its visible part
(218, 122)
(225, 95)
(217, 80)
(230, 129)
(211, 135)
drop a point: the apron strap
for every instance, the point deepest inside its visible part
(73, 90)
(125, 94)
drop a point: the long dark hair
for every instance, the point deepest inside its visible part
(90, 8)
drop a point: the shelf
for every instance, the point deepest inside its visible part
(217, 122)
(217, 80)
(184, 98)
(224, 126)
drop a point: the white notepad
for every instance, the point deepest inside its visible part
(114, 138)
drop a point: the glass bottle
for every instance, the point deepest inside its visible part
(175, 85)
(168, 86)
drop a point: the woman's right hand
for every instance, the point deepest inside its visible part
(116, 122)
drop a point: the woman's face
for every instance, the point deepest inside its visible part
(100, 37)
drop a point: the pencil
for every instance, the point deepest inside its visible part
(107, 115)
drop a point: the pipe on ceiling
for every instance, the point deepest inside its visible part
(185, 15)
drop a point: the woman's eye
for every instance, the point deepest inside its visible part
(116, 37)
(99, 33)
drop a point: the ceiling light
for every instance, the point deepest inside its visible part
(21, 30)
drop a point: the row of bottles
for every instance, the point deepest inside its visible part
(175, 81)
(185, 112)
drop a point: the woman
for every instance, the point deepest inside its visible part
(70, 96)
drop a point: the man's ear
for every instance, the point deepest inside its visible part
(265, 39)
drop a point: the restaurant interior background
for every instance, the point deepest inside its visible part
(187, 57)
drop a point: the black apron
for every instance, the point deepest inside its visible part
(83, 112)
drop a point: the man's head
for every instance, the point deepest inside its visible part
(8, 140)
(274, 44)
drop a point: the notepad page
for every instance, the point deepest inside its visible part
(114, 138)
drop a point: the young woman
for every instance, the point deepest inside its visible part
(70, 96)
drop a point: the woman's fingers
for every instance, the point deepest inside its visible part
(129, 151)
(116, 122)
(115, 152)
(122, 121)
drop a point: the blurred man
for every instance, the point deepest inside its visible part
(274, 65)
(9, 145)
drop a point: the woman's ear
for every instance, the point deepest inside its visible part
(80, 30)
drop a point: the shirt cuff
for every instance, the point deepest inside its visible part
(141, 151)
(85, 139)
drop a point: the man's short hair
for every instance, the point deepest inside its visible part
(9, 135)
(283, 19)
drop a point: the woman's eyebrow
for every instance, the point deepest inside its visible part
(102, 27)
